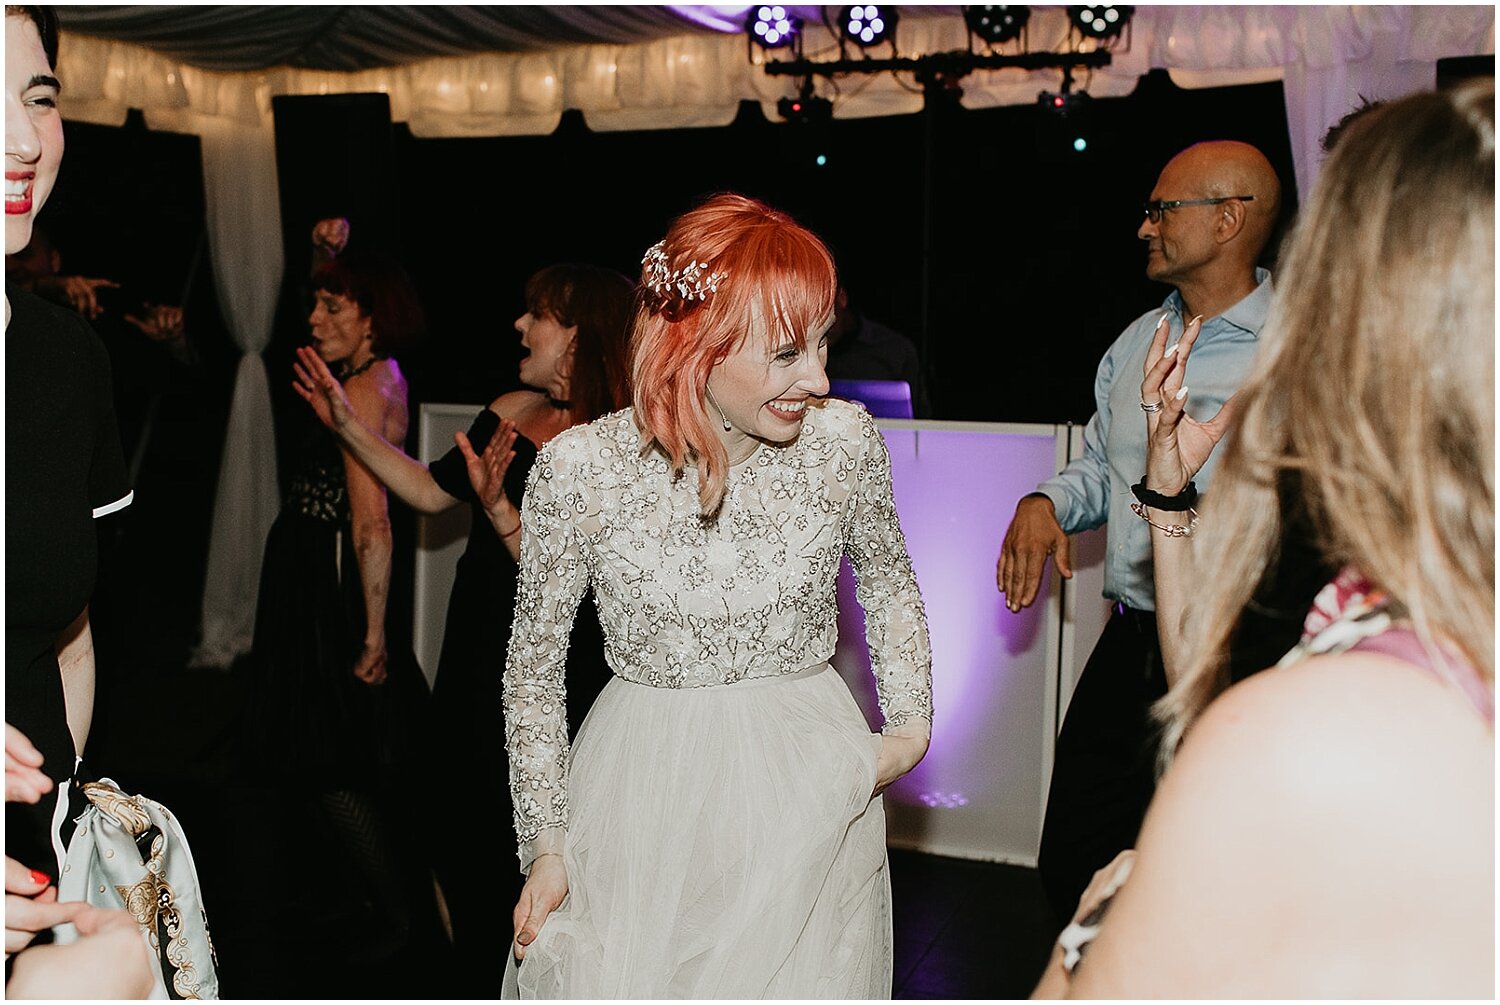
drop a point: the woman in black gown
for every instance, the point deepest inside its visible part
(576, 369)
(336, 690)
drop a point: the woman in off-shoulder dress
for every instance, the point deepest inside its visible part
(714, 830)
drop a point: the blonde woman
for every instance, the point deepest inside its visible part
(1326, 828)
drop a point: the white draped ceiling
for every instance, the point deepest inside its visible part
(494, 71)
(660, 70)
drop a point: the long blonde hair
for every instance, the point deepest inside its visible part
(1371, 402)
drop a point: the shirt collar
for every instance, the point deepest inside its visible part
(1249, 314)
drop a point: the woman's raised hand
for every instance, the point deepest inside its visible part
(487, 475)
(1177, 445)
(331, 235)
(321, 389)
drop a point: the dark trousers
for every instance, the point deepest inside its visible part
(1103, 771)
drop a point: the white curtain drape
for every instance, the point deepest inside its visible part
(1329, 58)
(244, 231)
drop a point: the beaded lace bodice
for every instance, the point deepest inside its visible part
(688, 602)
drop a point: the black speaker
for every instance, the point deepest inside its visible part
(1454, 70)
(335, 156)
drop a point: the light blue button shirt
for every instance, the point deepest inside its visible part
(1095, 488)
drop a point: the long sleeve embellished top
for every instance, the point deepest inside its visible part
(687, 601)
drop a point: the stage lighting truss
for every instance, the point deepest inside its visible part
(772, 27)
(938, 73)
(995, 25)
(1101, 22)
(867, 25)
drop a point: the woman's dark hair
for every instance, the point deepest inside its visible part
(598, 301)
(383, 292)
(45, 19)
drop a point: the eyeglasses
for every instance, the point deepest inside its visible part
(1156, 207)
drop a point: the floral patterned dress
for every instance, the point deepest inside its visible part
(715, 816)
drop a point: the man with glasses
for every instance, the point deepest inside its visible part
(1208, 219)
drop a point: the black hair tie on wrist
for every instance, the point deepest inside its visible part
(1180, 503)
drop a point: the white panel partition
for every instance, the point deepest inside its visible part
(440, 540)
(979, 792)
(1000, 680)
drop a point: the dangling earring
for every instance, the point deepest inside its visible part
(727, 426)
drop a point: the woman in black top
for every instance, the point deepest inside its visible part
(574, 331)
(64, 469)
(63, 463)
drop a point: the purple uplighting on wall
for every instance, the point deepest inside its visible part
(730, 17)
(978, 792)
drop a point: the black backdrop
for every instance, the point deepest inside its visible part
(1032, 269)
(1033, 266)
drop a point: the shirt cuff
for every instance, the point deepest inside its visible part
(914, 728)
(547, 842)
(115, 506)
(1059, 502)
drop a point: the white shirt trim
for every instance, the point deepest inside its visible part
(115, 506)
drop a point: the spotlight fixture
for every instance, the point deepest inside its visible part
(1102, 21)
(867, 25)
(1064, 103)
(806, 109)
(772, 27)
(996, 24)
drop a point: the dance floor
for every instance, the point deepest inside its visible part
(962, 929)
(967, 929)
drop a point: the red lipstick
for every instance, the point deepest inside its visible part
(15, 206)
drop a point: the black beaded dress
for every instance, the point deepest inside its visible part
(311, 719)
(332, 760)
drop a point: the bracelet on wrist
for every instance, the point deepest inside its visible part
(1169, 529)
(1180, 503)
(512, 532)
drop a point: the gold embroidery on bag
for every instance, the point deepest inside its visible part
(151, 900)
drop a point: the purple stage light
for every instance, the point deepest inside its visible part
(867, 25)
(772, 26)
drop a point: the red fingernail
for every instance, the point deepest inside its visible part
(40, 878)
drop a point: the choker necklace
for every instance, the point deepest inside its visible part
(560, 404)
(347, 371)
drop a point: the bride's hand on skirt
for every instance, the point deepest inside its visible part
(898, 755)
(546, 886)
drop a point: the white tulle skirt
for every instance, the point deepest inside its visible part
(722, 844)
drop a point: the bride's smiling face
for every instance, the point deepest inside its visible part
(764, 386)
